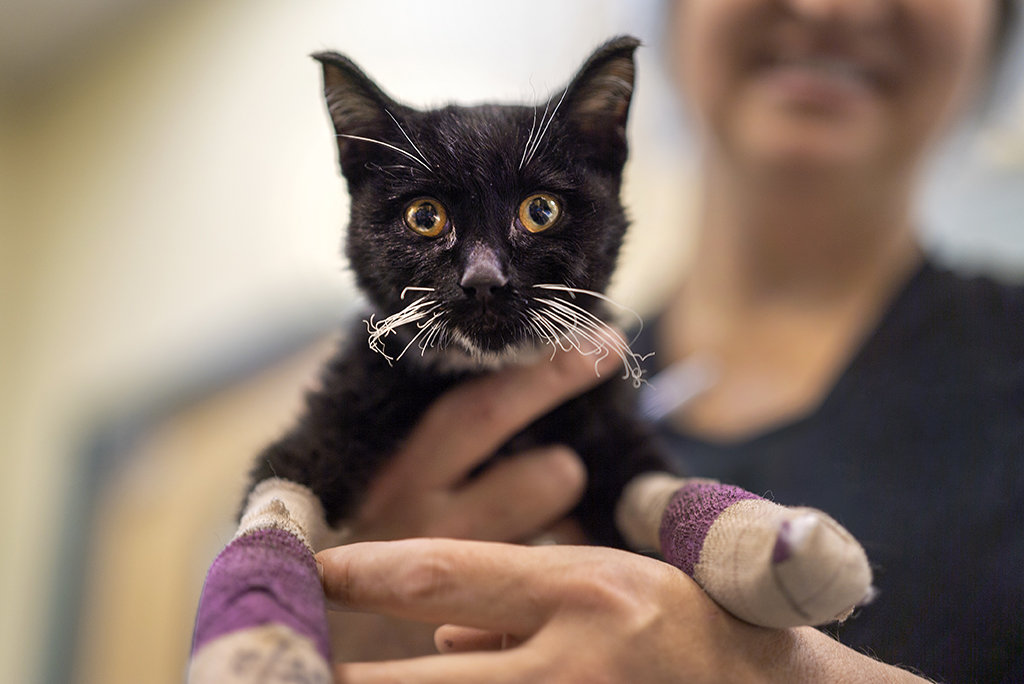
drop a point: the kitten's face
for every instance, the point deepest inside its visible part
(469, 212)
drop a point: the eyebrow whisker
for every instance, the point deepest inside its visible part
(388, 145)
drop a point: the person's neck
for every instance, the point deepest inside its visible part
(809, 238)
(791, 275)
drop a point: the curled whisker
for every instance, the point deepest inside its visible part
(551, 334)
(566, 337)
(435, 335)
(423, 329)
(416, 311)
(540, 334)
(573, 291)
(566, 325)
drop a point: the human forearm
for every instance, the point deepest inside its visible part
(803, 655)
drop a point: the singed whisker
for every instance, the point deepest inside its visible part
(575, 329)
(388, 145)
(602, 342)
(572, 291)
(574, 326)
(416, 311)
(556, 338)
(423, 330)
(436, 328)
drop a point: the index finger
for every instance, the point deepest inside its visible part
(492, 586)
(470, 422)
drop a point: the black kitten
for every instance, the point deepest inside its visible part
(473, 232)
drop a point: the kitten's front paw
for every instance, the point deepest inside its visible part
(267, 654)
(819, 568)
(767, 564)
(782, 567)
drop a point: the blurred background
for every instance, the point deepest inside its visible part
(170, 278)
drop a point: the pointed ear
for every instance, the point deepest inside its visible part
(358, 107)
(597, 100)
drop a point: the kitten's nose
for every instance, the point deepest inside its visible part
(483, 275)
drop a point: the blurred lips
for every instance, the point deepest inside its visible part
(824, 80)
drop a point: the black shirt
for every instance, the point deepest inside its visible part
(919, 451)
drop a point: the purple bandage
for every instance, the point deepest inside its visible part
(268, 576)
(688, 517)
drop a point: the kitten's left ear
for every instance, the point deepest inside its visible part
(597, 100)
(363, 115)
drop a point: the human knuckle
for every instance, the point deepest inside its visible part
(565, 471)
(610, 588)
(424, 576)
(597, 588)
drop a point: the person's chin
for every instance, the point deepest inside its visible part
(807, 149)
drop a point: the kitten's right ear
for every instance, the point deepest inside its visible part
(597, 100)
(358, 108)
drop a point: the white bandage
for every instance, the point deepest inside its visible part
(281, 504)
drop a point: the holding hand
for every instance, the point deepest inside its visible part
(567, 614)
(422, 492)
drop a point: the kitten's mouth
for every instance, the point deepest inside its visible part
(501, 333)
(488, 333)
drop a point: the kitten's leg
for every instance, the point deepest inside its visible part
(262, 615)
(767, 564)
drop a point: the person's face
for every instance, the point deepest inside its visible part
(829, 83)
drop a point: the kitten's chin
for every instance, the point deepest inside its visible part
(462, 357)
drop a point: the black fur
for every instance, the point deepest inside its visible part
(475, 162)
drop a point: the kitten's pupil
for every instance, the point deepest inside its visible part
(426, 216)
(540, 211)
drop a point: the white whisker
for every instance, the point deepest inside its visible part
(416, 311)
(414, 289)
(573, 291)
(436, 330)
(423, 157)
(526, 147)
(423, 328)
(555, 337)
(566, 325)
(544, 130)
(388, 145)
(529, 146)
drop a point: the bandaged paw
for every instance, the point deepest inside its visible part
(284, 505)
(267, 654)
(767, 564)
(782, 567)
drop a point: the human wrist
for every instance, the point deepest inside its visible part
(806, 654)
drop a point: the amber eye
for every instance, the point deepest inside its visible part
(426, 216)
(539, 212)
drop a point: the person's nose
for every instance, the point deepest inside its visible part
(863, 13)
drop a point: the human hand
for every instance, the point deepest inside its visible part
(422, 491)
(585, 614)
(568, 614)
